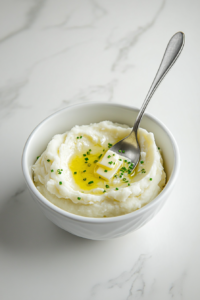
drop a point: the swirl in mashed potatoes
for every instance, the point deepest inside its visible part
(65, 172)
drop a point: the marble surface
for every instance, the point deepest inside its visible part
(60, 52)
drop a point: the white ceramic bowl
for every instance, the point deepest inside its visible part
(83, 114)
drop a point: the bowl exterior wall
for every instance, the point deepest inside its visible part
(101, 231)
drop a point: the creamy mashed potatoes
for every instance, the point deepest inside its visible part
(65, 172)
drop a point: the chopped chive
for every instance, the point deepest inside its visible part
(52, 170)
(124, 179)
(129, 171)
(99, 177)
(117, 189)
(120, 176)
(114, 163)
(95, 161)
(113, 154)
(88, 153)
(105, 170)
(81, 137)
(75, 173)
(104, 191)
(150, 179)
(60, 182)
(89, 165)
(103, 149)
(129, 184)
(84, 154)
(90, 182)
(59, 172)
(100, 156)
(38, 157)
(123, 151)
(48, 160)
(61, 169)
(84, 179)
(109, 156)
(77, 137)
(120, 150)
(84, 171)
(86, 158)
(158, 148)
(120, 159)
(115, 176)
(110, 162)
(79, 198)
(107, 186)
(141, 161)
(90, 149)
(125, 160)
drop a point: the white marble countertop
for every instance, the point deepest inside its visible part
(56, 53)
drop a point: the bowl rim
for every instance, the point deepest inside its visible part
(47, 204)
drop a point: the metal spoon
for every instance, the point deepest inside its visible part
(129, 145)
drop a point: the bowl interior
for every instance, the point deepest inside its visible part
(84, 114)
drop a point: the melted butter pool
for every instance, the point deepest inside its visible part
(83, 167)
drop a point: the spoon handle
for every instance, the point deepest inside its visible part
(171, 54)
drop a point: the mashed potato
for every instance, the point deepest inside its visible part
(65, 172)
